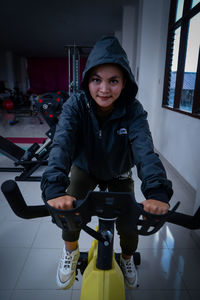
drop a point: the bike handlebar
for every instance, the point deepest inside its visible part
(101, 204)
(16, 201)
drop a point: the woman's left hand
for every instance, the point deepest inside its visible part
(155, 207)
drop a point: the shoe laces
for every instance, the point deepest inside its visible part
(129, 266)
(67, 260)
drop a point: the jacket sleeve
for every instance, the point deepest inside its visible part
(55, 179)
(150, 169)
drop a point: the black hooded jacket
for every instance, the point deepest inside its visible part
(106, 151)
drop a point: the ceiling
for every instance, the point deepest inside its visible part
(41, 28)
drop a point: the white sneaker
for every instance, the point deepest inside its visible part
(129, 271)
(66, 271)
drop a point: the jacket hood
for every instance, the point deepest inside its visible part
(109, 50)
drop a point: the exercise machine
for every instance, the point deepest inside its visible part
(49, 105)
(20, 106)
(74, 54)
(25, 161)
(102, 276)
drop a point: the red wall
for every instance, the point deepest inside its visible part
(49, 74)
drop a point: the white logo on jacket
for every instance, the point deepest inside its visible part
(122, 131)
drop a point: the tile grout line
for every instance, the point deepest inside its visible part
(22, 269)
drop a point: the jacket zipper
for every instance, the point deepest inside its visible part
(100, 133)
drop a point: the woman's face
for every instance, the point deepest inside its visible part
(105, 85)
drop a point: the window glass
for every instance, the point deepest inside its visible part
(174, 67)
(191, 64)
(183, 58)
(179, 11)
(195, 2)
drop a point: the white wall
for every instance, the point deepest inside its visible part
(118, 35)
(129, 33)
(9, 71)
(197, 205)
(21, 75)
(13, 71)
(2, 65)
(175, 135)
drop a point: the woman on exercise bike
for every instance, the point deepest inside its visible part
(102, 133)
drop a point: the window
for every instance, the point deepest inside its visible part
(181, 91)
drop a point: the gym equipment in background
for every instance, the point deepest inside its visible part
(75, 53)
(25, 161)
(49, 105)
(7, 104)
(19, 106)
(102, 276)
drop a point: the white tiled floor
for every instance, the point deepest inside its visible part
(30, 249)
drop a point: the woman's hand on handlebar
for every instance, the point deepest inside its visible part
(63, 202)
(155, 207)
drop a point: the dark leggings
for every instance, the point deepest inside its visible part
(81, 183)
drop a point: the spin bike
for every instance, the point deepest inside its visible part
(102, 276)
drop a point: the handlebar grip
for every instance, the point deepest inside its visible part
(153, 222)
(16, 201)
(157, 216)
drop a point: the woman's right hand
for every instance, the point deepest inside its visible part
(62, 202)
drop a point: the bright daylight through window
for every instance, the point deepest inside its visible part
(182, 70)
